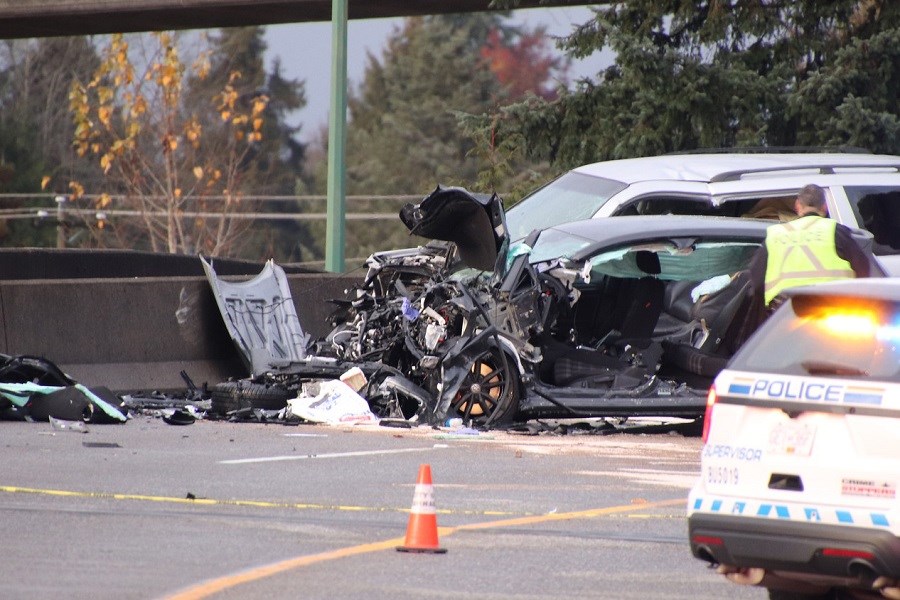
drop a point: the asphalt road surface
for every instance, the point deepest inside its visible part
(237, 510)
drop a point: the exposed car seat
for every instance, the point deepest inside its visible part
(718, 310)
(643, 308)
(646, 303)
(676, 308)
(716, 313)
(600, 308)
(619, 307)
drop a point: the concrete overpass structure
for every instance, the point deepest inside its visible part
(48, 18)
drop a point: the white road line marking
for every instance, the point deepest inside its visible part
(664, 471)
(677, 479)
(241, 461)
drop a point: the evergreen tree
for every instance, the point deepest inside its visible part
(854, 99)
(404, 135)
(277, 166)
(708, 73)
(277, 160)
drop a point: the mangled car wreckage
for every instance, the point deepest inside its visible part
(613, 317)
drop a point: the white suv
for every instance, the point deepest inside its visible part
(801, 461)
(863, 191)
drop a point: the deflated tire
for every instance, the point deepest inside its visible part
(235, 395)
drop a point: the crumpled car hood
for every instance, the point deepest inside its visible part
(260, 317)
(474, 222)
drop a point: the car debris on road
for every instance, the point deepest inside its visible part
(615, 318)
(35, 389)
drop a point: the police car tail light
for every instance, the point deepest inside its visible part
(847, 553)
(707, 417)
(707, 540)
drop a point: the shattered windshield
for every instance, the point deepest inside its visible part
(572, 197)
(699, 261)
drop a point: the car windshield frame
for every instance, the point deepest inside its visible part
(552, 244)
(571, 197)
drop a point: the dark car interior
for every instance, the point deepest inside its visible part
(878, 210)
(778, 208)
(654, 320)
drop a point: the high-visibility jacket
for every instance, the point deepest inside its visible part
(802, 252)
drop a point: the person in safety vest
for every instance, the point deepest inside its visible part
(809, 249)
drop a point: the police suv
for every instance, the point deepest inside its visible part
(801, 462)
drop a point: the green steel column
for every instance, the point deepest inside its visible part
(337, 136)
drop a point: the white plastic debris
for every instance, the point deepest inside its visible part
(354, 378)
(709, 286)
(63, 425)
(336, 404)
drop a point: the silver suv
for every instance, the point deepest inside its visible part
(863, 191)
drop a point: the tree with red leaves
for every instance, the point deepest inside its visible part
(524, 64)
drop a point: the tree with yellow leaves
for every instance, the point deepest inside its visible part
(161, 163)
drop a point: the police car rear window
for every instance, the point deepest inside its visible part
(827, 337)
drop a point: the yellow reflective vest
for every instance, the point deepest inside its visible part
(802, 252)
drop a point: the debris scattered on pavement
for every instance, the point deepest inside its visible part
(464, 433)
(195, 400)
(73, 426)
(34, 389)
(336, 403)
(398, 423)
(180, 416)
(604, 426)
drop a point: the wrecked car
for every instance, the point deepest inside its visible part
(619, 317)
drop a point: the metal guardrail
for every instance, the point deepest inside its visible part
(59, 205)
(66, 215)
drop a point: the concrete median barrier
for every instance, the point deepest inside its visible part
(133, 321)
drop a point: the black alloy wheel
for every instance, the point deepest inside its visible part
(489, 395)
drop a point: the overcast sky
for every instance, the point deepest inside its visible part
(305, 51)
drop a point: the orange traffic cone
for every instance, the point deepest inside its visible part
(421, 532)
